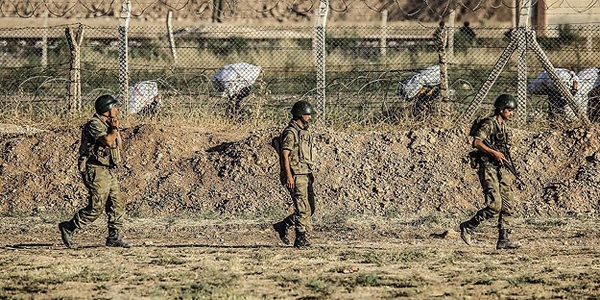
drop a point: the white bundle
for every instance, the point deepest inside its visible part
(411, 86)
(141, 95)
(543, 84)
(232, 78)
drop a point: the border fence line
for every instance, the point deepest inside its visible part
(363, 73)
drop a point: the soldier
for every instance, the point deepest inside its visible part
(297, 162)
(489, 136)
(99, 155)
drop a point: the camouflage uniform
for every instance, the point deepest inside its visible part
(300, 144)
(97, 164)
(494, 181)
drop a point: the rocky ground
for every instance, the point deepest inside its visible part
(194, 170)
(201, 203)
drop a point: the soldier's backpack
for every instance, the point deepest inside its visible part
(475, 126)
(475, 155)
(276, 143)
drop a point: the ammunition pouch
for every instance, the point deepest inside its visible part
(115, 156)
(475, 159)
(82, 164)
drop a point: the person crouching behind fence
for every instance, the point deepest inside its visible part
(297, 150)
(489, 138)
(99, 155)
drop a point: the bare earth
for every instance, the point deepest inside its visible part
(201, 203)
(243, 260)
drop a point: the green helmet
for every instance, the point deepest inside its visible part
(301, 108)
(505, 101)
(104, 103)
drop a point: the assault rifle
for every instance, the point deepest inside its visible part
(509, 164)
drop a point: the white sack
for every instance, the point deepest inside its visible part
(232, 78)
(543, 85)
(141, 95)
(411, 86)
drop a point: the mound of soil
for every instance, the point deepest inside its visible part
(189, 169)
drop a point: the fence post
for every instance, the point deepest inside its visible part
(487, 85)
(319, 53)
(562, 88)
(123, 49)
(522, 76)
(44, 59)
(383, 38)
(171, 39)
(440, 39)
(450, 30)
(74, 42)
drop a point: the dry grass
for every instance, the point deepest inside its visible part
(370, 259)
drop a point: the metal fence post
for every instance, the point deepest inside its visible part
(441, 37)
(487, 85)
(44, 59)
(522, 77)
(74, 42)
(383, 38)
(319, 54)
(123, 49)
(171, 39)
(562, 88)
(450, 30)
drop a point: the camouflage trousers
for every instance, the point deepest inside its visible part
(497, 194)
(104, 196)
(303, 197)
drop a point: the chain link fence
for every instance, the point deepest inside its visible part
(369, 69)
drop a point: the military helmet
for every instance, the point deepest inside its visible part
(505, 101)
(104, 103)
(301, 108)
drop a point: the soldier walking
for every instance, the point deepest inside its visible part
(488, 138)
(99, 155)
(297, 150)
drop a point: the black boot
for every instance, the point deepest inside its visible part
(114, 240)
(301, 241)
(67, 228)
(504, 242)
(282, 230)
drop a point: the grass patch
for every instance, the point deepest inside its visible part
(319, 286)
(547, 223)
(369, 279)
(166, 261)
(525, 280)
(382, 258)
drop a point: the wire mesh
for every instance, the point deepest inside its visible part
(364, 74)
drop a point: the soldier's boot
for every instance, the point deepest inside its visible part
(466, 233)
(114, 240)
(67, 228)
(504, 242)
(467, 227)
(301, 241)
(282, 229)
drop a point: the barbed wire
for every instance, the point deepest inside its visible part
(435, 9)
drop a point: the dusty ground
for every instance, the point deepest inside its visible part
(368, 259)
(200, 205)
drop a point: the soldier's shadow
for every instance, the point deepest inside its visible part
(30, 246)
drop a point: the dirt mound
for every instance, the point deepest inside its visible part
(189, 169)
